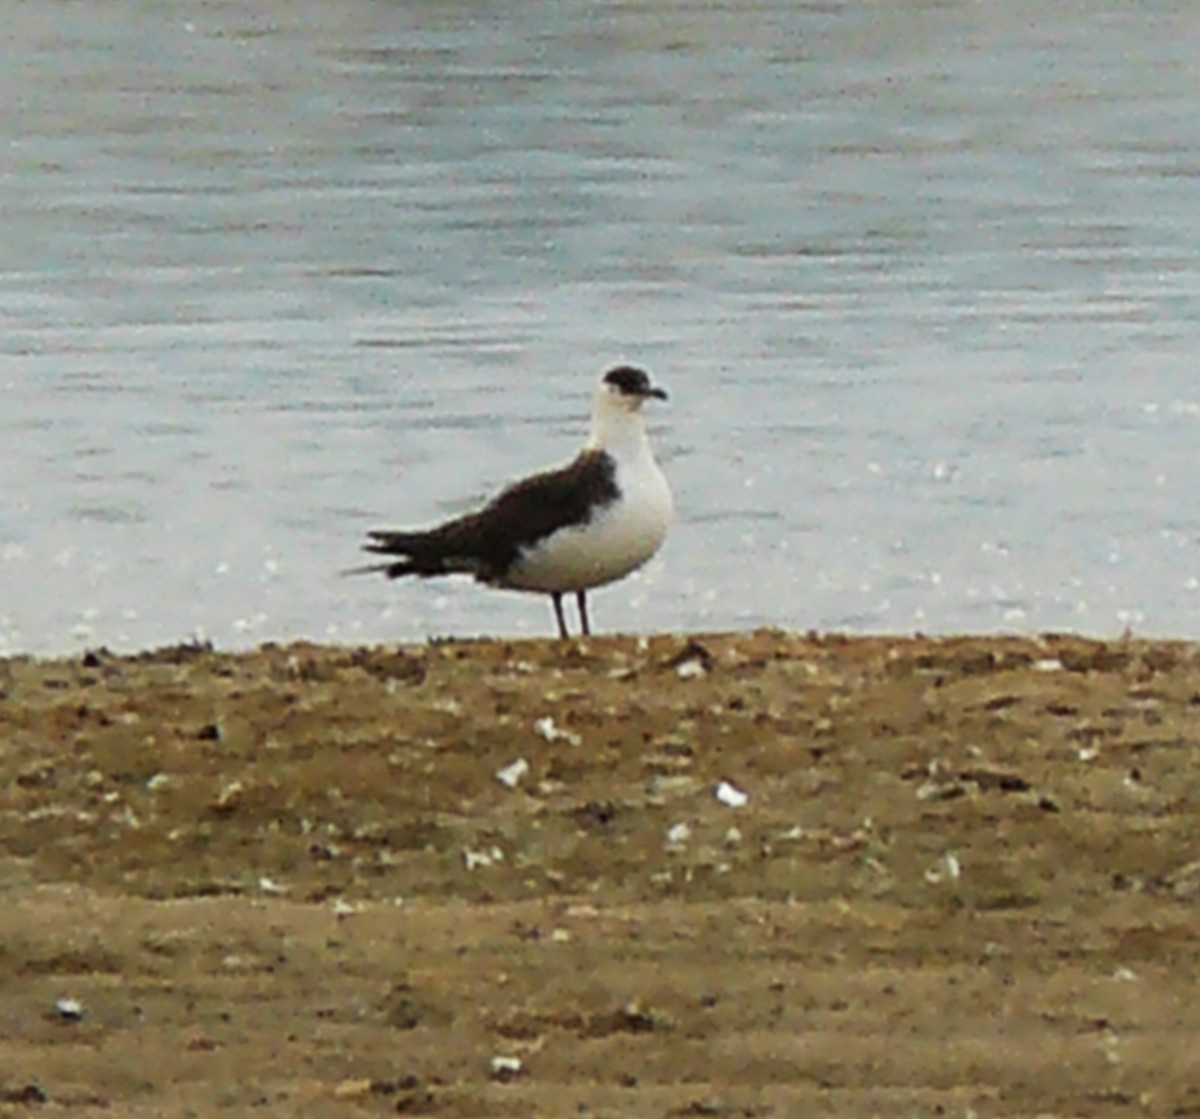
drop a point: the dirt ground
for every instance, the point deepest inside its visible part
(738, 875)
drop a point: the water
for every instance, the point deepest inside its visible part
(922, 278)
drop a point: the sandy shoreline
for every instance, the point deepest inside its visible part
(964, 875)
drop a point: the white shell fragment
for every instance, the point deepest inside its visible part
(506, 1068)
(229, 797)
(691, 669)
(70, 1009)
(732, 797)
(931, 790)
(678, 834)
(510, 776)
(947, 869)
(546, 729)
(474, 860)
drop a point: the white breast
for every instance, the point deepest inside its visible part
(616, 541)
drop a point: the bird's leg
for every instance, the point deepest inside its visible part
(581, 598)
(556, 598)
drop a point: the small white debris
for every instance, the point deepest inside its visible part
(270, 886)
(1124, 975)
(69, 1009)
(933, 790)
(158, 781)
(678, 834)
(342, 908)
(546, 729)
(510, 776)
(733, 837)
(731, 796)
(561, 936)
(691, 669)
(947, 869)
(506, 1068)
(1088, 753)
(1048, 664)
(229, 797)
(474, 860)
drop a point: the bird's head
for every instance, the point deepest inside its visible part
(617, 413)
(627, 388)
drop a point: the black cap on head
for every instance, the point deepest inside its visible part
(631, 381)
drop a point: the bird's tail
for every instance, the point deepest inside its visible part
(421, 553)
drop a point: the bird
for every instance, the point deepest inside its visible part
(562, 531)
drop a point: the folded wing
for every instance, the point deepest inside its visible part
(486, 543)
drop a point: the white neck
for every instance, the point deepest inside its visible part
(616, 428)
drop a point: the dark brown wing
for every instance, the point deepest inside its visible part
(488, 542)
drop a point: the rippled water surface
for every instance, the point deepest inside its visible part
(923, 280)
